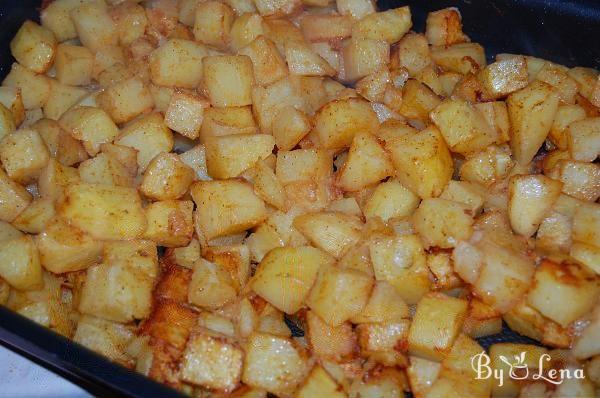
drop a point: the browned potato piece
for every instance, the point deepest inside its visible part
(388, 25)
(34, 47)
(565, 115)
(325, 28)
(56, 17)
(556, 76)
(319, 382)
(169, 222)
(228, 79)
(20, 263)
(91, 125)
(35, 89)
(11, 98)
(227, 121)
(177, 63)
(34, 218)
(363, 56)
(290, 125)
(213, 23)
(166, 177)
(24, 155)
(461, 58)
(332, 232)
(442, 222)
(228, 156)
(583, 139)
(95, 28)
(444, 27)
(126, 100)
(303, 61)
(268, 64)
(245, 29)
(130, 20)
(417, 100)
(73, 64)
(185, 114)
(357, 9)
(504, 77)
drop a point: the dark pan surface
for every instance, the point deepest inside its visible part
(566, 32)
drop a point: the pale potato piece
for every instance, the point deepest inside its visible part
(185, 114)
(35, 217)
(504, 77)
(268, 186)
(11, 98)
(435, 326)
(303, 61)
(34, 47)
(461, 58)
(104, 169)
(531, 111)
(24, 155)
(422, 161)
(327, 342)
(285, 276)
(234, 258)
(177, 63)
(334, 233)
(580, 179)
(169, 222)
(384, 306)
(130, 20)
(444, 27)
(230, 155)
(496, 114)
(583, 139)
(65, 248)
(227, 121)
(276, 7)
(166, 177)
(363, 56)
(357, 9)
(211, 285)
(557, 76)
(324, 28)
(105, 212)
(56, 17)
(244, 30)
(268, 63)
(35, 89)
(196, 159)
(267, 101)
(388, 25)
(62, 97)
(104, 337)
(91, 125)
(213, 23)
(442, 222)
(530, 197)
(488, 166)
(126, 100)
(95, 28)
(468, 193)
(367, 163)
(226, 207)
(228, 79)
(390, 200)
(380, 341)
(20, 263)
(319, 382)
(55, 178)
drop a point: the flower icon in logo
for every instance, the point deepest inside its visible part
(518, 370)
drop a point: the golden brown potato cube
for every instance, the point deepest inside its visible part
(170, 222)
(130, 20)
(35, 89)
(138, 254)
(444, 27)
(364, 56)
(212, 361)
(442, 222)
(422, 374)
(557, 76)
(277, 7)
(213, 24)
(339, 294)
(583, 139)
(56, 17)
(105, 212)
(289, 126)
(95, 28)
(229, 155)
(385, 305)
(62, 98)
(185, 114)
(117, 292)
(585, 78)
(34, 218)
(107, 338)
(465, 130)
(244, 30)
(586, 224)
(530, 197)
(125, 155)
(510, 352)
(423, 162)
(390, 200)
(587, 255)
(531, 111)
(211, 286)
(376, 86)
(320, 382)
(339, 121)
(126, 100)
(303, 61)
(65, 248)
(226, 207)
(20, 263)
(228, 79)
(55, 178)
(367, 163)
(496, 115)
(73, 64)
(104, 169)
(461, 58)
(332, 232)
(234, 258)
(11, 98)
(227, 121)
(285, 276)
(273, 363)
(388, 25)
(149, 136)
(166, 177)
(435, 326)
(177, 63)
(34, 47)
(357, 9)
(324, 28)
(24, 155)
(580, 179)
(565, 115)
(504, 77)
(91, 125)
(411, 53)
(327, 342)
(417, 100)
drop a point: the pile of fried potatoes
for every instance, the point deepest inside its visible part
(308, 165)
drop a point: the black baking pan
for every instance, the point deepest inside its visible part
(566, 32)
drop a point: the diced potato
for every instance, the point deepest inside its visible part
(482, 320)
(91, 125)
(563, 292)
(334, 233)
(463, 127)
(435, 326)
(35, 217)
(423, 162)
(11, 98)
(268, 64)
(391, 200)
(357, 9)
(511, 352)
(7, 232)
(411, 53)
(339, 121)
(461, 58)
(170, 222)
(177, 63)
(468, 193)
(244, 30)
(530, 198)
(104, 169)
(487, 167)
(35, 89)
(383, 341)
(227, 121)
(104, 212)
(24, 155)
(585, 78)
(267, 101)
(367, 164)
(327, 342)
(583, 139)
(496, 114)
(228, 79)
(228, 156)
(126, 100)
(211, 285)
(363, 56)
(196, 159)
(73, 65)
(95, 28)
(580, 179)
(268, 187)
(531, 111)
(104, 337)
(285, 276)
(130, 20)
(277, 7)
(56, 17)
(384, 306)
(213, 23)
(325, 28)
(417, 100)
(319, 382)
(185, 114)
(166, 177)
(149, 136)
(586, 344)
(289, 127)
(55, 178)
(303, 61)
(20, 263)
(444, 27)
(65, 248)
(14, 198)
(212, 362)
(339, 294)
(186, 256)
(273, 363)
(556, 76)
(388, 25)
(226, 207)
(421, 374)
(34, 47)
(504, 77)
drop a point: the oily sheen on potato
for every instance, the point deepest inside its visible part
(342, 204)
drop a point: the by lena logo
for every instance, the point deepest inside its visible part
(519, 370)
